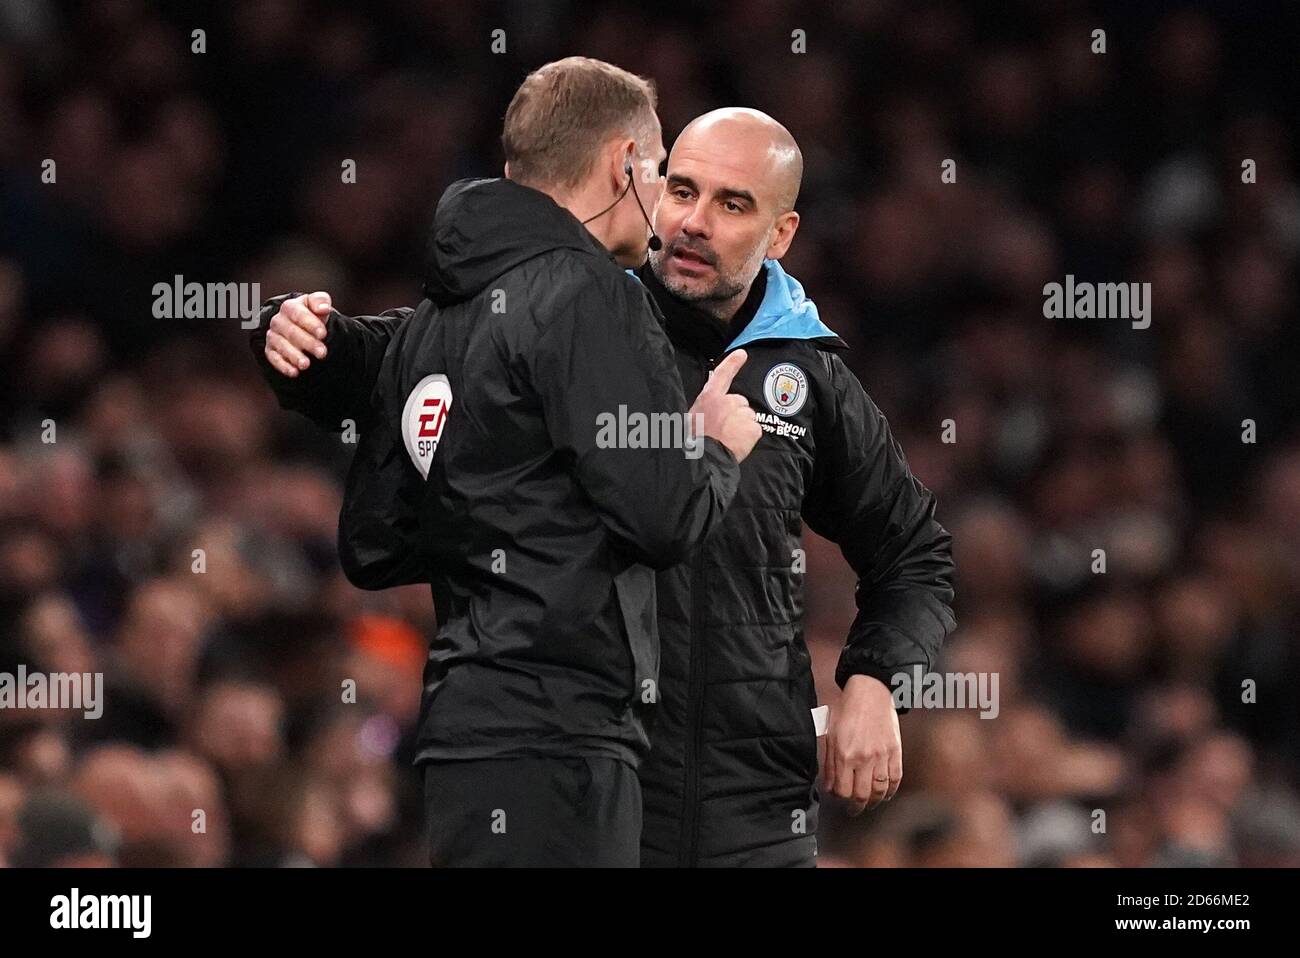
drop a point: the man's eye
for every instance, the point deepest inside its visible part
(733, 207)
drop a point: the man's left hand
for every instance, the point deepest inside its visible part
(864, 749)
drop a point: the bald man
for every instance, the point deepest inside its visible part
(732, 775)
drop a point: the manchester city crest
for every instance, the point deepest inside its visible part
(785, 389)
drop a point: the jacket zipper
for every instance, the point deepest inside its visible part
(688, 849)
(694, 705)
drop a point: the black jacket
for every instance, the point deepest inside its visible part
(538, 543)
(731, 779)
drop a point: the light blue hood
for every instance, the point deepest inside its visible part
(785, 312)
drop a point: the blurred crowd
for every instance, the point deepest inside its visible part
(177, 534)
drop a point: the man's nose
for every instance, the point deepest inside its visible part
(696, 222)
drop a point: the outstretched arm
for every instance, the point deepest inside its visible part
(319, 362)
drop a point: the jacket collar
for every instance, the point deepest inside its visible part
(786, 313)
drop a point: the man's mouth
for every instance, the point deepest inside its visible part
(690, 259)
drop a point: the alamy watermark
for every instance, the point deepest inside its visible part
(133, 913)
(53, 690)
(182, 300)
(1071, 300)
(657, 430)
(919, 689)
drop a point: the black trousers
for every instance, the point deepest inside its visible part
(533, 812)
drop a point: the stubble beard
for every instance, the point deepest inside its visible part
(725, 288)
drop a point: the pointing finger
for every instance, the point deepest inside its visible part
(720, 380)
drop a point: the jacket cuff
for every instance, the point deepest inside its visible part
(724, 468)
(292, 394)
(867, 659)
(257, 337)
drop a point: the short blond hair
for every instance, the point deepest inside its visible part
(564, 111)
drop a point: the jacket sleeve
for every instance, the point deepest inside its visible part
(337, 387)
(601, 358)
(865, 498)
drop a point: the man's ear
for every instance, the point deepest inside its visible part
(783, 230)
(507, 169)
(624, 150)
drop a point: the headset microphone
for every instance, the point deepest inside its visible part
(655, 243)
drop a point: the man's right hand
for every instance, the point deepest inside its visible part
(297, 332)
(727, 416)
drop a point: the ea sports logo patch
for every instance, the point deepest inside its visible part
(423, 419)
(785, 389)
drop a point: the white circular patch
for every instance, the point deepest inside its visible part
(423, 419)
(785, 389)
